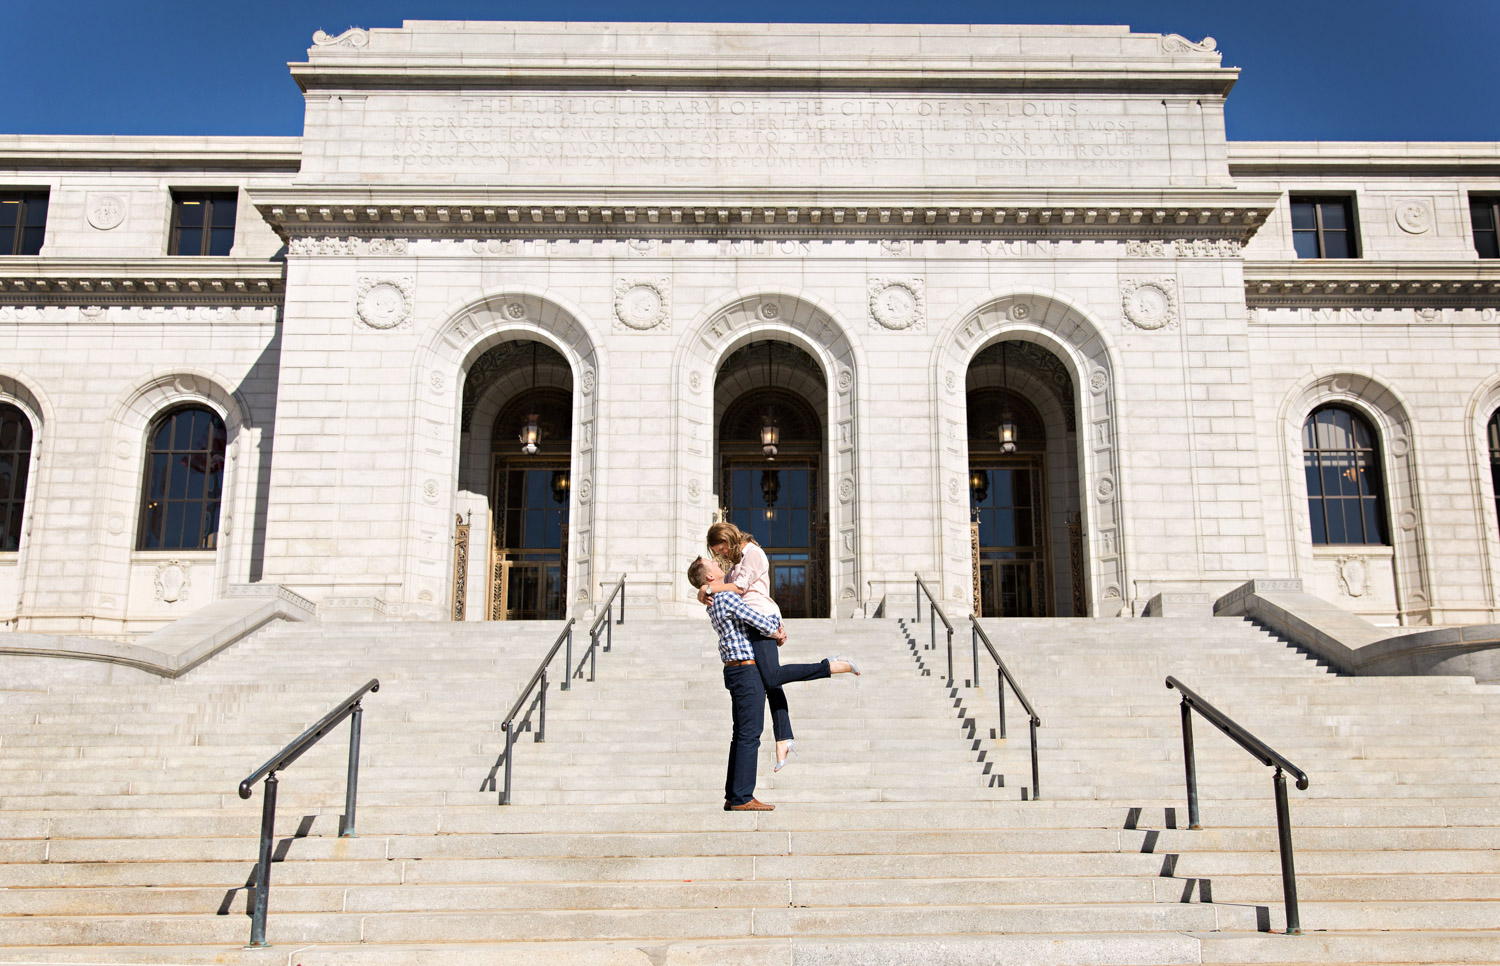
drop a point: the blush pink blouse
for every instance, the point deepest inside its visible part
(753, 575)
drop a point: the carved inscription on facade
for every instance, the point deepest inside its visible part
(661, 136)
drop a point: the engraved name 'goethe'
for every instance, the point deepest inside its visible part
(753, 132)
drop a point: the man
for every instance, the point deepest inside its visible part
(747, 694)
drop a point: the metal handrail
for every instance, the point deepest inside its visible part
(539, 678)
(1192, 701)
(976, 635)
(934, 609)
(348, 708)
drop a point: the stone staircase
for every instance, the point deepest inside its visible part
(904, 831)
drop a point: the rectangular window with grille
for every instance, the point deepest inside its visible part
(23, 222)
(203, 222)
(1484, 217)
(1324, 228)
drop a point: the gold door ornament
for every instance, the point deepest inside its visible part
(460, 565)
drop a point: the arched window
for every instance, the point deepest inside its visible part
(15, 462)
(1345, 494)
(184, 481)
(1494, 435)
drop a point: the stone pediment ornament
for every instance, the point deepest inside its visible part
(642, 304)
(1354, 576)
(384, 302)
(898, 304)
(1149, 303)
(353, 37)
(1178, 44)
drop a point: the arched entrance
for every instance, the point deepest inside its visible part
(770, 408)
(519, 395)
(1026, 533)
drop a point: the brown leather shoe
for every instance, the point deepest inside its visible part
(754, 805)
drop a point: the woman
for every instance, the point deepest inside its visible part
(750, 576)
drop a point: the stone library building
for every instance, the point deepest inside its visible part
(988, 327)
(528, 306)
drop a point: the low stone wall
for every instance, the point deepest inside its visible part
(182, 645)
(1352, 645)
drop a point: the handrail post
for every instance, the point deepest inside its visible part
(974, 643)
(263, 869)
(622, 600)
(1288, 871)
(1000, 690)
(1190, 765)
(919, 600)
(1036, 774)
(510, 745)
(351, 783)
(592, 649)
(541, 727)
(567, 684)
(609, 627)
(950, 657)
(932, 625)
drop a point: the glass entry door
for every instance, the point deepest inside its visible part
(529, 563)
(1007, 499)
(777, 502)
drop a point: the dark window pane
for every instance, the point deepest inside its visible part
(1336, 532)
(1486, 244)
(221, 241)
(1314, 478)
(1319, 530)
(1306, 243)
(190, 213)
(224, 211)
(1303, 216)
(36, 210)
(189, 241)
(1335, 216)
(10, 213)
(1336, 245)
(1374, 525)
(1482, 215)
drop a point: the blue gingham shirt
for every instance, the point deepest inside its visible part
(729, 614)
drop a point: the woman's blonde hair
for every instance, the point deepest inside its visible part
(728, 533)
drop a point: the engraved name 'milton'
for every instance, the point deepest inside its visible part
(536, 133)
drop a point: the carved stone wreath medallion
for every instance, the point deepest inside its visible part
(384, 302)
(898, 304)
(1149, 303)
(1413, 217)
(106, 211)
(642, 303)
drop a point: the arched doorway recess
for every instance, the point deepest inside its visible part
(517, 413)
(770, 417)
(1074, 371)
(1026, 527)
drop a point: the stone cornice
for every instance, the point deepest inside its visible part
(1378, 158)
(310, 211)
(157, 281)
(1313, 282)
(48, 153)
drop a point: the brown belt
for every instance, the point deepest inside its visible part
(738, 663)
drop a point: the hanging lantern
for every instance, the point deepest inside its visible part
(770, 487)
(560, 486)
(531, 434)
(979, 485)
(770, 435)
(1008, 434)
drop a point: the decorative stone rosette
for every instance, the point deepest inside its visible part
(1413, 216)
(898, 304)
(1149, 303)
(642, 304)
(384, 302)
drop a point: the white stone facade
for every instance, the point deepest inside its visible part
(644, 200)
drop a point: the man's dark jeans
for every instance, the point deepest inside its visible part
(748, 697)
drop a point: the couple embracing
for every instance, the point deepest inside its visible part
(749, 626)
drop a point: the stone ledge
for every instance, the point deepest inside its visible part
(182, 645)
(1353, 645)
(1179, 606)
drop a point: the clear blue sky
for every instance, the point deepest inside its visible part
(1314, 69)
